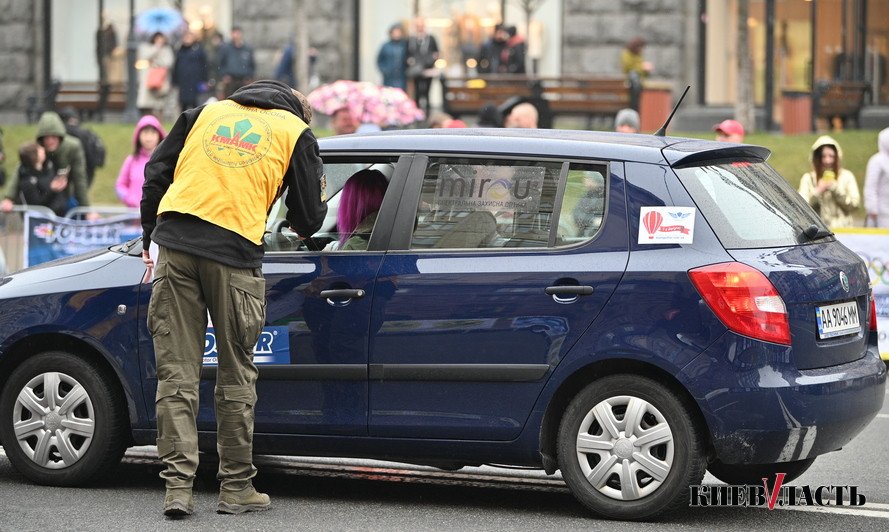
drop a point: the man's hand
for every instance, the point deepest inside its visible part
(58, 183)
(149, 265)
(6, 205)
(93, 216)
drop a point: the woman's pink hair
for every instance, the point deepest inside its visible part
(362, 195)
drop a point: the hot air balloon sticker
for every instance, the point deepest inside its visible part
(652, 221)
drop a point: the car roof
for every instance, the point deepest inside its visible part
(600, 145)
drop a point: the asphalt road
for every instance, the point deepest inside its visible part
(325, 494)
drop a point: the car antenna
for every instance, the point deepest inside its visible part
(662, 132)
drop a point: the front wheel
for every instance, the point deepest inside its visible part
(628, 448)
(752, 474)
(62, 421)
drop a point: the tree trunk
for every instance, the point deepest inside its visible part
(744, 106)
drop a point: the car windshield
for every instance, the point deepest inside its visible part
(749, 205)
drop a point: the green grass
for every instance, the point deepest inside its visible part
(790, 154)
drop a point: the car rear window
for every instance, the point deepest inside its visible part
(748, 204)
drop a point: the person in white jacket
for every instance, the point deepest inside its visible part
(876, 184)
(829, 188)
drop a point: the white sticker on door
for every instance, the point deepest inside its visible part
(666, 225)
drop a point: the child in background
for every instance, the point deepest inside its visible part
(37, 182)
(148, 134)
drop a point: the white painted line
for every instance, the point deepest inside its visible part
(883, 416)
(840, 510)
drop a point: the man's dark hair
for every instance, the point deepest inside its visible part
(28, 154)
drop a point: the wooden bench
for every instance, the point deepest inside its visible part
(840, 100)
(565, 95)
(90, 99)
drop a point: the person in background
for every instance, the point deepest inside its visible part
(391, 59)
(2, 161)
(205, 203)
(343, 122)
(37, 182)
(361, 199)
(94, 150)
(439, 119)
(489, 116)
(876, 183)
(67, 157)
(523, 115)
(635, 68)
(237, 66)
(422, 53)
(626, 121)
(489, 56)
(190, 72)
(156, 58)
(148, 134)
(729, 131)
(829, 188)
(512, 55)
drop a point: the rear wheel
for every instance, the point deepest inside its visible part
(628, 448)
(752, 474)
(62, 421)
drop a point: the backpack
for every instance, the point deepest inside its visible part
(94, 148)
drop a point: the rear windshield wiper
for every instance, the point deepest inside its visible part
(813, 232)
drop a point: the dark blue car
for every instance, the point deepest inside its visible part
(631, 310)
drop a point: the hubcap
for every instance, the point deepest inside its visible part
(625, 448)
(53, 420)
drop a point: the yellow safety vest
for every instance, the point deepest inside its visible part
(232, 166)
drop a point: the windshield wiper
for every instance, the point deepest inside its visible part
(813, 232)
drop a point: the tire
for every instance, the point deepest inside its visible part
(661, 470)
(67, 438)
(752, 474)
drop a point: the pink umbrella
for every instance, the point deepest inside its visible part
(370, 103)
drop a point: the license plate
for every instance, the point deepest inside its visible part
(837, 320)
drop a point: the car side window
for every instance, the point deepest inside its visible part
(583, 204)
(362, 184)
(468, 203)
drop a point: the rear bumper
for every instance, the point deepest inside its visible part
(772, 412)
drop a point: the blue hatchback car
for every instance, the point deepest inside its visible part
(631, 310)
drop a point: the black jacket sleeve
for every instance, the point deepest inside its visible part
(303, 181)
(159, 171)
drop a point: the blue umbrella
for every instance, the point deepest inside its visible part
(159, 19)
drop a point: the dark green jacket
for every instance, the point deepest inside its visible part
(70, 155)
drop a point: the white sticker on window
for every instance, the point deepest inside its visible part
(477, 187)
(666, 225)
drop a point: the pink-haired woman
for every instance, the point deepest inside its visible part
(361, 198)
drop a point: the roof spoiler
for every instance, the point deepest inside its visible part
(728, 154)
(662, 132)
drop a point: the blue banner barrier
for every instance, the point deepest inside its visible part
(49, 237)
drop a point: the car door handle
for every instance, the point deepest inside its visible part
(569, 290)
(343, 293)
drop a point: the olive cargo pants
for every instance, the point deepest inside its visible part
(184, 289)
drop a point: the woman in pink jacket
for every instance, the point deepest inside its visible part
(148, 134)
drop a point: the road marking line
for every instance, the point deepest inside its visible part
(859, 511)
(883, 416)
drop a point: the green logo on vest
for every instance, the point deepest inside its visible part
(237, 140)
(243, 143)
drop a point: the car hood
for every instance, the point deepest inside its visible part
(72, 273)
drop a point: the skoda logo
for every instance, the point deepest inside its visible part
(844, 281)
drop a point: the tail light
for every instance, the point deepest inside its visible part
(872, 322)
(744, 300)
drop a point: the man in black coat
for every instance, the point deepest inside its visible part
(190, 72)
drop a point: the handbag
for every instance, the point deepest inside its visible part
(156, 78)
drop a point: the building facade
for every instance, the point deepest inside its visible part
(689, 42)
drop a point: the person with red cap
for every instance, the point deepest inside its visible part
(729, 131)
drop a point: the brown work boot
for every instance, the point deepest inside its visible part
(178, 503)
(238, 502)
